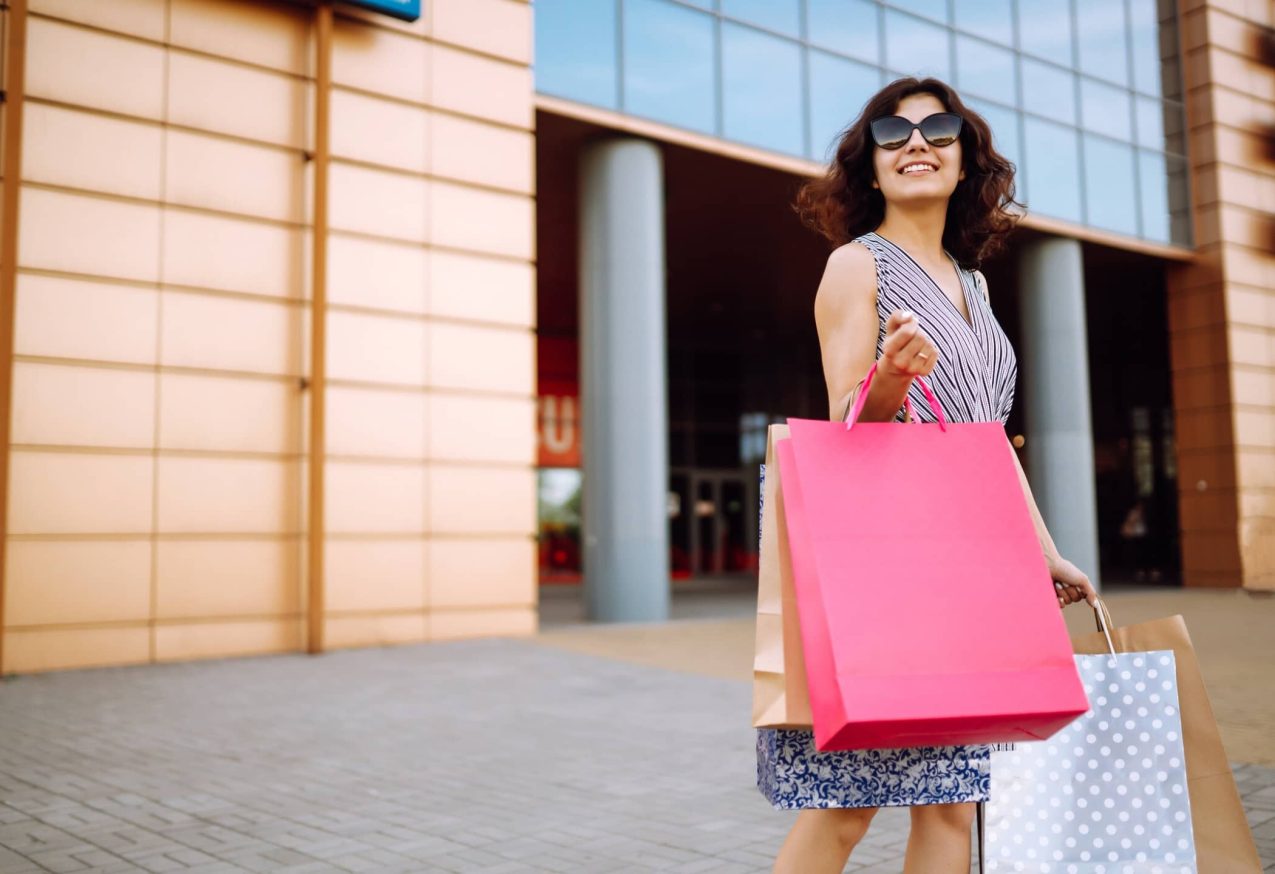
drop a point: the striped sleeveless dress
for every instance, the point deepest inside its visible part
(974, 381)
(975, 374)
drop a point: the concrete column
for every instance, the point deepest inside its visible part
(623, 384)
(1055, 395)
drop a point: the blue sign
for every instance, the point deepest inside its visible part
(408, 10)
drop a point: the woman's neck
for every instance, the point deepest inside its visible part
(920, 233)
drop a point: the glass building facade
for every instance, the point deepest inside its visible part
(1084, 96)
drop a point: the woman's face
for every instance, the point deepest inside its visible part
(935, 184)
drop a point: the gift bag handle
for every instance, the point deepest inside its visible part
(935, 407)
(1103, 617)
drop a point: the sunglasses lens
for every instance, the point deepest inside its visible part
(891, 132)
(941, 129)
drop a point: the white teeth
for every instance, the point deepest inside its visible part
(918, 168)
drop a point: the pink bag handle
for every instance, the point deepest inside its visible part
(935, 407)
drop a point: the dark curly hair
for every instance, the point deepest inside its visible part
(842, 204)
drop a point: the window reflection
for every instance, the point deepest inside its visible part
(990, 19)
(1109, 185)
(761, 83)
(575, 51)
(845, 26)
(1047, 90)
(1102, 42)
(915, 47)
(1150, 122)
(838, 90)
(1004, 125)
(936, 9)
(1106, 109)
(668, 64)
(986, 70)
(781, 15)
(1053, 173)
(1044, 29)
(1153, 180)
(1144, 41)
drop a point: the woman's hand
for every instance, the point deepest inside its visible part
(1070, 583)
(906, 350)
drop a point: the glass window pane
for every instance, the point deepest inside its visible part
(1111, 199)
(838, 90)
(1145, 39)
(1153, 181)
(668, 64)
(1106, 109)
(1102, 40)
(990, 19)
(575, 51)
(936, 9)
(1004, 125)
(916, 48)
(1052, 163)
(781, 15)
(985, 70)
(1049, 91)
(761, 89)
(1150, 122)
(845, 26)
(1044, 29)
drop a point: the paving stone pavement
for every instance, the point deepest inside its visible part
(494, 755)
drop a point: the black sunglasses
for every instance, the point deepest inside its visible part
(894, 131)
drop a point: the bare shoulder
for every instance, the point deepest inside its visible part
(849, 279)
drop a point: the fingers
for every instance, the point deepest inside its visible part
(905, 343)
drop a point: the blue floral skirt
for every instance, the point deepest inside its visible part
(793, 775)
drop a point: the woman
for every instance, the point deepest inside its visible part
(895, 292)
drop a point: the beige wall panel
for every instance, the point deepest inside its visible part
(270, 34)
(144, 18)
(482, 221)
(224, 495)
(1253, 385)
(379, 60)
(355, 16)
(1257, 504)
(78, 493)
(377, 273)
(456, 624)
(208, 578)
(376, 423)
(483, 289)
(234, 177)
(473, 151)
(71, 318)
(59, 582)
(374, 498)
(498, 27)
(481, 500)
(59, 649)
(1256, 465)
(208, 251)
(474, 572)
(471, 428)
(382, 349)
(378, 131)
(1252, 346)
(197, 640)
(1250, 306)
(110, 72)
(486, 359)
(482, 87)
(94, 152)
(366, 575)
(1257, 541)
(112, 238)
(201, 330)
(378, 202)
(225, 97)
(1249, 266)
(224, 413)
(343, 632)
(60, 404)
(1243, 187)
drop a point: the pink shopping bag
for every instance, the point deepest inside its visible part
(928, 615)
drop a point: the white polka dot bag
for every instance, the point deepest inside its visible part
(1108, 793)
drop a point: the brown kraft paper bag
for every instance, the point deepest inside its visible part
(780, 699)
(1223, 840)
